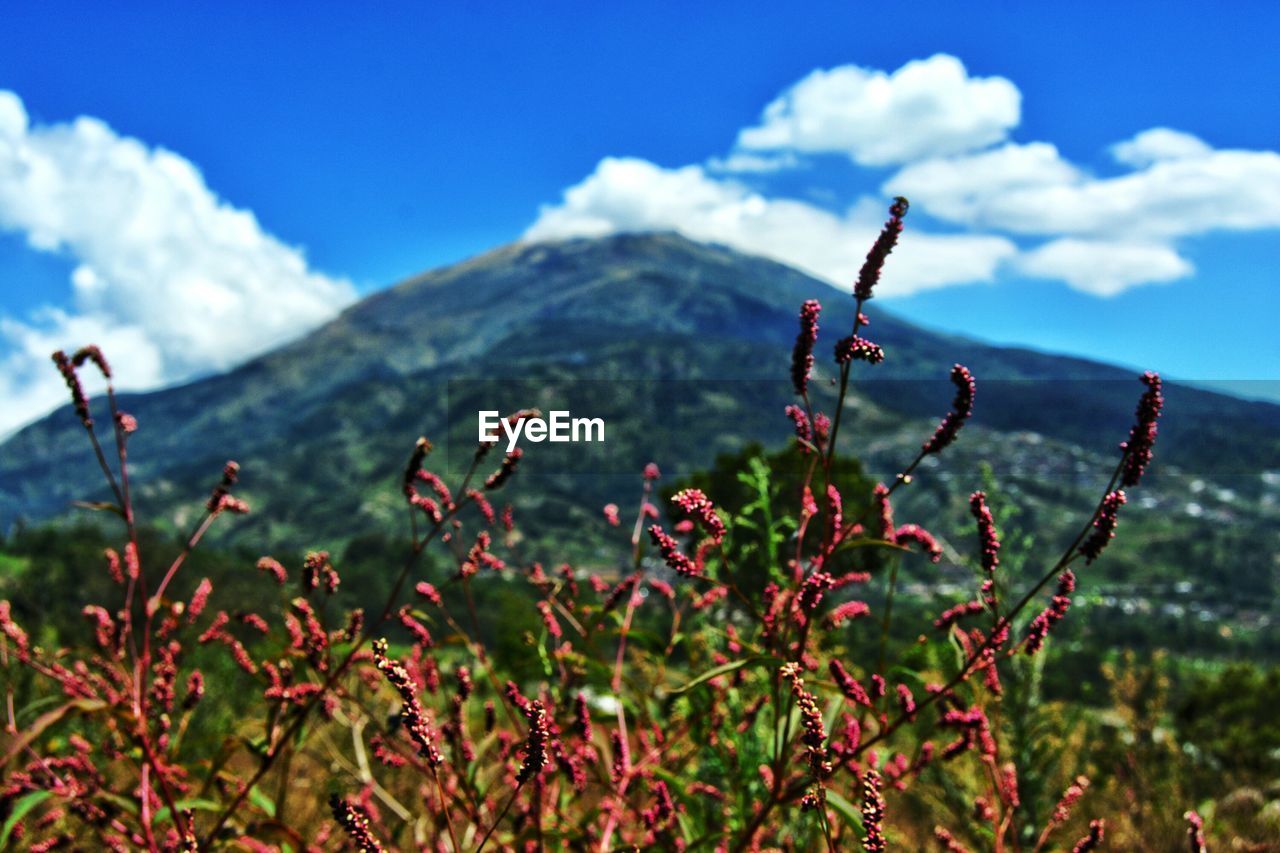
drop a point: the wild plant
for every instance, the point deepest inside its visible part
(730, 685)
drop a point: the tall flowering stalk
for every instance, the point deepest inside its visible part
(873, 807)
(802, 354)
(869, 275)
(961, 409)
(412, 715)
(355, 822)
(1142, 438)
(814, 735)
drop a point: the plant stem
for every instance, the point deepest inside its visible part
(501, 815)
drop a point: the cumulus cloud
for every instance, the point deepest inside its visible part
(170, 279)
(629, 194)
(1175, 195)
(948, 135)
(1156, 144)
(1104, 268)
(969, 189)
(743, 162)
(929, 107)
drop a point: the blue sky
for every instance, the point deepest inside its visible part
(248, 169)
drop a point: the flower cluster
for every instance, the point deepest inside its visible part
(218, 499)
(1051, 615)
(1093, 840)
(318, 570)
(1104, 526)
(411, 714)
(873, 806)
(961, 409)
(917, 534)
(694, 503)
(1137, 450)
(802, 354)
(804, 430)
(1195, 832)
(1062, 811)
(988, 544)
(856, 348)
(869, 275)
(535, 746)
(814, 734)
(848, 685)
(354, 820)
(675, 559)
(78, 400)
(948, 841)
(499, 478)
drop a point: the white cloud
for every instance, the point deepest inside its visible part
(628, 194)
(1030, 189)
(29, 383)
(1179, 187)
(745, 163)
(1104, 268)
(171, 280)
(948, 132)
(1156, 144)
(929, 107)
(968, 189)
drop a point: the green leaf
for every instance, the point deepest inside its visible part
(721, 670)
(686, 831)
(47, 719)
(125, 804)
(29, 710)
(194, 804)
(98, 506)
(542, 653)
(906, 674)
(20, 810)
(832, 711)
(846, 810)
(262, 801)
(256, 744)
(871, 543)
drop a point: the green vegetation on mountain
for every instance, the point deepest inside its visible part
(681, 348)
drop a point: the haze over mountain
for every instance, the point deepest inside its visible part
(689, 345)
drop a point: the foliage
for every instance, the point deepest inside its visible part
(739, 676)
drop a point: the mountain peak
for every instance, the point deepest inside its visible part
(649, 305)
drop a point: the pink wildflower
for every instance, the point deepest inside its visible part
(1051, 615)
(873, 813)
(273, 567)
(1104, 526)
(802, 354)
(961, 408)
(917, 534)
(698, 505)
(671, 554)
(855, 348)
(1142, 437)
(869, 275)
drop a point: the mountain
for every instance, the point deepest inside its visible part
(684, 349)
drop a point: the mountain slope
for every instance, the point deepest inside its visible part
(322, 425)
